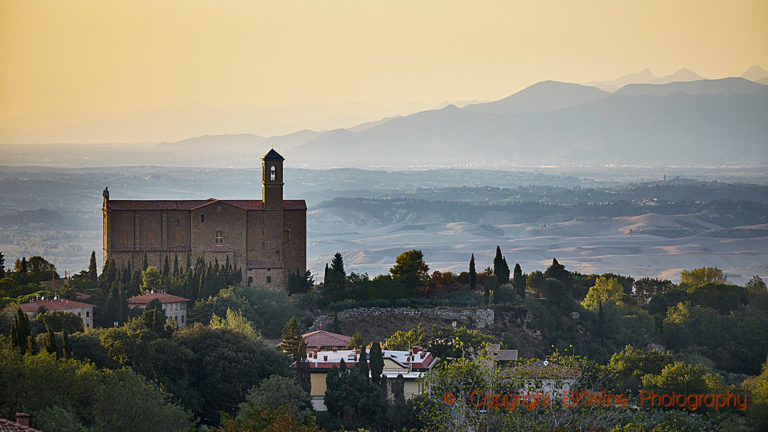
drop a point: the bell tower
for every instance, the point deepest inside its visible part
(272, 180)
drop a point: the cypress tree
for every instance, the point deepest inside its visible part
(50, 341)
(20, 330)
(362, 362)
(144, 262)
(2, 265)
(92, 267)
(24, 266)
(175, 265)
(31, 345)
(377, 363)
(518, 281)
(66, 350)
(503, 272)
(166, 267)
(472, 273)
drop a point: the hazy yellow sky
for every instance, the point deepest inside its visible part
(121, 55)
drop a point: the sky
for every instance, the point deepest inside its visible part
(107, 56)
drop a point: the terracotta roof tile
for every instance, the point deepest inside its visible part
(194, 204)
(10, 426)
(54, 305)
(163, 297)
(322, 338)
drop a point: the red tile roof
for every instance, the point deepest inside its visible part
(163, 297)
(54, 305)
(322, 338)
(10, 426)
(194, 204)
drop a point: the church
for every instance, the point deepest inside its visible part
(266, 239)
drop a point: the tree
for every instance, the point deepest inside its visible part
(2, 265)
(362, 362)
(144, 262)
(702, 276)
(558, 271)
(335, 279)
(292, 338)
(20, 330)
(50, 342)
(273, 393)
(604, 291)
(66, 349)
(357, 340)
(92, 274)
(235, 320)
(500, 267)
(756, 286)
(472, 273)
(224, 365)
(22, 267)
(410, 269)
(151, 280)
(518, 281)
(377, 363)
(404, 340)
(166, 267)
(298, 283)
(646, 288)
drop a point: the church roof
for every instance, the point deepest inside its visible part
(194, 204)
(273, 155)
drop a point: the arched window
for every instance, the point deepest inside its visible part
(272, 173)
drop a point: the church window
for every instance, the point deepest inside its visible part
(269, 279)
(219, 237)
(272, 173)
(202, 218)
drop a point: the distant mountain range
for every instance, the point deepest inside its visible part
(552, 123)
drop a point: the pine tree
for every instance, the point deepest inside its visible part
(92, 267)
(292, 338)
(472, 273)
(377, 363)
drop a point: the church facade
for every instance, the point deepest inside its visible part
(264, 238)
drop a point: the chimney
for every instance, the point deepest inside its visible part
(22, 419)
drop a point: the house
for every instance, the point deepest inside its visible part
(83, 310)
(412, 365)
(175, 307)
(502, 356)
(320, 339)
(543, 376)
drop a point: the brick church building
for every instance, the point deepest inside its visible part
(265, 238)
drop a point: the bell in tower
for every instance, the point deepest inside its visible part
(272, 180)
